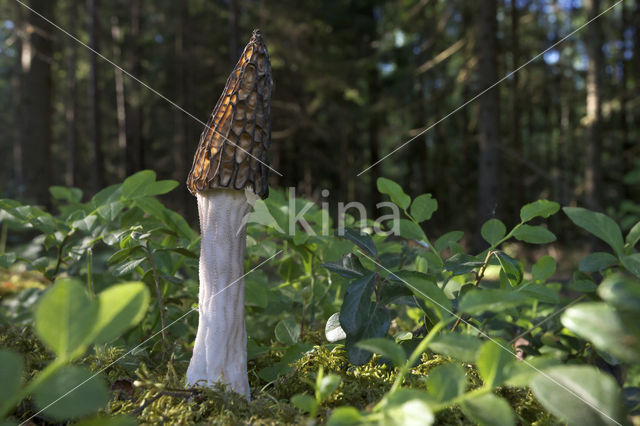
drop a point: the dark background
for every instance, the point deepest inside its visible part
(353, 81)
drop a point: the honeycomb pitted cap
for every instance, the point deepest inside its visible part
(233, 148)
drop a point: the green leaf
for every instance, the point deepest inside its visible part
(597, 261)
(493, 363)
(328, 385)
(411, 231)
(375, 325)
(598, 224)
(601, 324)
(423, 207)
(447, 239)
(446, 382)
(11, 368)
(488, 409)
(255, 294)
(544, 268)
(427, 290)
(356, 305)
(348, 267)
(579, 395)
(408, 407)
(344, 416)
(304, 402)
(363, 241)
(394, 191)
(138, 185)
(520, 372)
(540, 208)
(73, 195)
(463, 347)
(534, 234)
(633, 236)
(333, 332)
(385, 347)
(540, 293)
(477, 301)
(287, 331)
(621, 291)
(493, 231)
(511, 267)
(128, 267)
(121, 306)
(632, 263)
(71, 392)
(161, 187)
(65, 317)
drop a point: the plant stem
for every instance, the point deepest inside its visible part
(90, 272)
(476, 283)
(156, 280)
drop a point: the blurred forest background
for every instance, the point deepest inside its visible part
(354, 79)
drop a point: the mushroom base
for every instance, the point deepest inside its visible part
(220, 349)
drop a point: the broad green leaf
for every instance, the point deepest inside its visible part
(632, 263)
(161, 187)
(394, 191)
(138, 184)
(446, 382)
(493, 362)
(540, 208)
(86, 224)
(375, 325)
(357, 305)
(520, 372)
(493, 231)
(633, 236)
(621, 291)
(598, 224)
(427, 290)
(423, 207)
(534, 234)
(333, 331)
(408, 407)
(461, 264)
(363, 241)
(255, 293)
(411, 231)
(344, 416)
(511, 267)
(73, 195)
(463, 347)
(348, 267)
(580, 395)
(128, 267)
(287, 331)
(540, 293)
(65, 317)
(110, 211)
(328, 385)
(71, 392)
(304, 402)
(489, 409)
(477, 301)
(601, 324)
(385, 347)
(447, 239)
(583, 286)
(121, 306)
(597, 261)
(11, 368)
(544, 268)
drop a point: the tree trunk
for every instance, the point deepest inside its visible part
(16, 87)
(593, 170)
(95, 122)
(121, 113)
(71, 105)
(135, 150)
(234, 35)
(179, 147)
(516, 190)
(488, 111)
(37, 50)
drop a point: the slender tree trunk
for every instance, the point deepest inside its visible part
(135, 150)
(71, 105)
(516, 191)
(627, 144)
(180, 152)
(121, 113)
(373, 137)
(94, 99)
(593, 170)
(488, 111)
(16, 86)
(37, 50)
(234, 34)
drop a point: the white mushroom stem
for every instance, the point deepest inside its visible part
(220, 349)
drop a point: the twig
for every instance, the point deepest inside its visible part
(479, 277)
